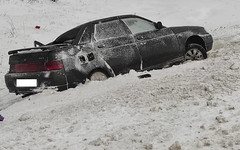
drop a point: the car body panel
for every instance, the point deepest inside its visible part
(157, 47)
(120, 53)
(82, 51)
(183, 33)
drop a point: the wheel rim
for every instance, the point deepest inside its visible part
(98, 76)
(194, 54)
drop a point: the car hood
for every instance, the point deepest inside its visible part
(195, 29)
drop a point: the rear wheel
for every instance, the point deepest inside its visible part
(195, 52)
(98, 76)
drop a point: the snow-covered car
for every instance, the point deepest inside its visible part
(104, 48)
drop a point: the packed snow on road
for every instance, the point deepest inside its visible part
(194, 105)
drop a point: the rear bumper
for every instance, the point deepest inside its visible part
(56, 78)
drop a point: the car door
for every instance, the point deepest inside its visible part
(75, 57)
(115, 45)
(156, 46)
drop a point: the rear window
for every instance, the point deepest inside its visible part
(68, 36)
(86, 36)
(111, 29)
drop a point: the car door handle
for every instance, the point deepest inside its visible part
(101, 45)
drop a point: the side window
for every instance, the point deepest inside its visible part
(110, 29)
(137, 25)
(86, 36)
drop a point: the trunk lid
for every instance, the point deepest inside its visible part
(34, 60)
(22, 58)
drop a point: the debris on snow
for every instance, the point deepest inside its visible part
(221, 119)
(175, 146)
(148, 146)
(1, 118)
(234, 67)
(24, 117)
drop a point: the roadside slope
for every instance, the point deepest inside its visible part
(195, 103)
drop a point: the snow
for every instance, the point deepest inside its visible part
(194, 105)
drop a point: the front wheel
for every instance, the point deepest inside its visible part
(195, 52)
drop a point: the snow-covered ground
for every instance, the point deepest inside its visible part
(194, 105)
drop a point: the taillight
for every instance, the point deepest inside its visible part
(54, 65)
(35, 67)
(12, 68)
(29, 67)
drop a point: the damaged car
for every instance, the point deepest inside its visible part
(101, 49)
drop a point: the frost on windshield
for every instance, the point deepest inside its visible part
(110, 29)
(137, 25)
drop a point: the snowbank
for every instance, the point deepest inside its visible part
(193, 105)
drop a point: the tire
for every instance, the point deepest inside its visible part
(195, 52)
(98, 76)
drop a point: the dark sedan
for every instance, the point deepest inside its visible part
(101, 49)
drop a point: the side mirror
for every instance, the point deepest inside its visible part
(159, 25)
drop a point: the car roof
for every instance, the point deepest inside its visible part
(72, 33)
(116, 17)
(108, 19)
